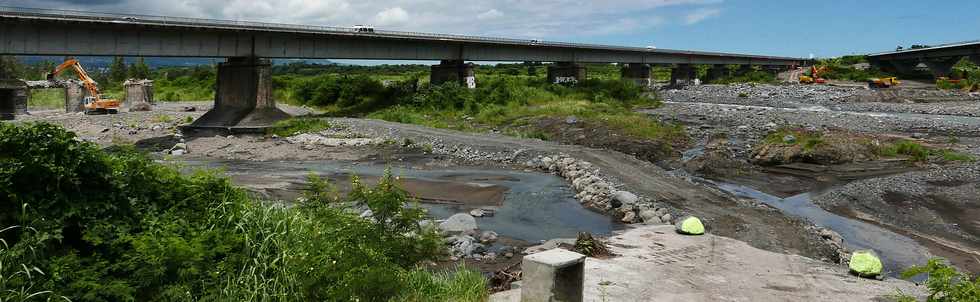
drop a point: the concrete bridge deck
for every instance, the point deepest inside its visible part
(939, 58)
(243, 96)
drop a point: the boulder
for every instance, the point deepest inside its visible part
(689, 225)
(865, 263)
(625, 197)
(461, 222)
(488, 237)
(650, 216)
(464, 246)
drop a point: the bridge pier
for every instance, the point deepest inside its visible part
(682, 75)
(453, 71)
(74, 96)
(637, 73)
(773, 69)
(13, 93)
(566, 72)
(717, 72)
(13, 98)
(243, 101)
(941, 67)
(901, 67)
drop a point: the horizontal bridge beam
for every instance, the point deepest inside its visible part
(41, 34)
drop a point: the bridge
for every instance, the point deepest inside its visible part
(244, 96)
(940, 58)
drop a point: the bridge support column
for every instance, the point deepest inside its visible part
(453, 71)
(637, 73)
(682, 75)
(13, 98)
(13, 92)
(900, 67)
(75, 95)
(942, 67)
(566, 72)
(717, 72)
(773, 69)
(744, 69)
(243, 101)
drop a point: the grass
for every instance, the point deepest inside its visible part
(513, 105)
(808, 140)
(297, 125)
(46, 99)
(920, 153)
(97, 225)
(162, 118)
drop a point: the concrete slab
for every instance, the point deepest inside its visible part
(557, 258)
(656, 264)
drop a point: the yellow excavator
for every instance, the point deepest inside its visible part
(95, 103)
(886, 82)
(812, 76)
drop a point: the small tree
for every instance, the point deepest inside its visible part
(139, 70)
(117, 71)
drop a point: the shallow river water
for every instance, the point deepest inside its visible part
(535, 207)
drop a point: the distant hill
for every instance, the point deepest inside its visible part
(94, 63)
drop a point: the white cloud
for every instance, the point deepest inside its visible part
(538, 19)
(392, 16)
(493, 13)
(701, 14)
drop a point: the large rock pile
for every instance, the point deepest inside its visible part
(594, 191)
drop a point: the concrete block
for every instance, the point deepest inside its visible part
(553, 275)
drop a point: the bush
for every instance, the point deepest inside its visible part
(945, 283)
(117, 226)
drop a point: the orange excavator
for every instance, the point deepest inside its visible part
(813, 76)
(95, 103)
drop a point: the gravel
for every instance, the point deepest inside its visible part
(836, 98)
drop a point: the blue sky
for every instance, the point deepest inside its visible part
(772, 27)
(824, 28)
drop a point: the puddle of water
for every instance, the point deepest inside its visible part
(897, 252)
(536, 206)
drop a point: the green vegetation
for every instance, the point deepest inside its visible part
(513, 104)
(46, 99)
(92, 225)
(841, 68)
(808, 140)
(919, 152)
(754, 76)
(185, 84)
(967, 74)
(297, 125)
(944, 282)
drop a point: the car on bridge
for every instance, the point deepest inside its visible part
(363, 28)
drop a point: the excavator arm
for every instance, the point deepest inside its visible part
(99, 104)
(87, 81)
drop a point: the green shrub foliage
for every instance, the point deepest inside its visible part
(92, 225)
